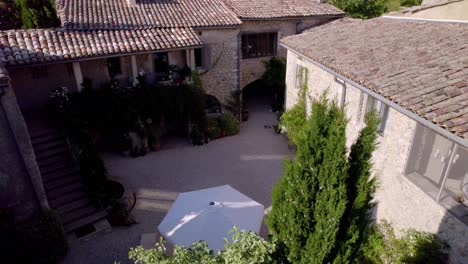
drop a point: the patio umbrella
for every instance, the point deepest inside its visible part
(209, 215)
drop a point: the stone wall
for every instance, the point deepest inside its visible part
(399, 201)
(32, 85)
(21, 187)
(252, 69)
(222, 77)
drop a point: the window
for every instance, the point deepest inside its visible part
(438, 167)
(113, 65)
(161, 66)
(198, 58)
(301, 76)
(39, 72)
(259, 45)
(381, 109)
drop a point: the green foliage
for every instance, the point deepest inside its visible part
(39, 241)
(410, 2)
(274, 77)
(361, 8)
(197, 114)
(9, 15)
(365, 9)
(244, 247)
(360, 192)
(413, 247)
(229, 124)
(213, 129)
(37, 13)
(310, 199)
(294, 119)
(234, 103)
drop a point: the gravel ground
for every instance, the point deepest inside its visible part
(250, 162)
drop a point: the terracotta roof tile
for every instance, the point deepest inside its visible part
(423, 66)
(19, 47)
(258, 9)
(116, 14)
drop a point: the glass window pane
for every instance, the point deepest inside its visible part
(198, 58)
(454, 195)
(428, 160)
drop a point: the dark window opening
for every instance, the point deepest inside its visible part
(161, 66)
(198, 58)
(40, 72)
(259, 45)
(114, 67)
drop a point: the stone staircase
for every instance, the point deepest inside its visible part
(62, 181)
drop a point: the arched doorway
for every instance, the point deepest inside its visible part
(259, 94)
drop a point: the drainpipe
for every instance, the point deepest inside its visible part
(343, 91)
(443, 132)
(239, 88)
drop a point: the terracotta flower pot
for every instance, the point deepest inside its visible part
(157, 147)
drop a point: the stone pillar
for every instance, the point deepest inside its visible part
(134, 69)
(78, 75)
(21, 185)
(191, 64)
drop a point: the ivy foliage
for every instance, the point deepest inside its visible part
(413, 246)
(273, 77)
(294, 119)
(243, 247)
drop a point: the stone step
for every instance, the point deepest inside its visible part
(78, 213)
(66, 179)
(39, 148)
(64, 190)
(60, 151)
(54, 170)
(46, 137)
(55, 159)
(85, 220)
(65, 199)
(64, 209)
(35, 133)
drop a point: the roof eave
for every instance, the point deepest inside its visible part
(291, 17)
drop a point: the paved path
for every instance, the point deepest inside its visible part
(251, 162)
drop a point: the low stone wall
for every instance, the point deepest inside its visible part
(20, 181)
(399, 201)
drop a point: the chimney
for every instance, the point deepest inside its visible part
(131, 3)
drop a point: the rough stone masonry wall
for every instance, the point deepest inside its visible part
(399, 201)
(252, 69)
(222, 77)
(20, 181)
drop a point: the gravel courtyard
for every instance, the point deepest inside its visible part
(250, 162)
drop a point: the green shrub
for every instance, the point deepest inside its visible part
(274, 77)
(413, 246)
(234, 104)
(40, 241)
(246, 247)
(363, 9)
(410, 2)
(9, 15)
(213, 129)
(229, 124)
(38, 13)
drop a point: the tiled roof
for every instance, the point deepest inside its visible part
(260, 9)
(49, 45)
(116, 14)
(422, 66)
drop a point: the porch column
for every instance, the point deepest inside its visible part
(191, 53)
(134, 69)
(78, 75)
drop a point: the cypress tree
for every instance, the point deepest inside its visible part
(361, 189)
(310, 199)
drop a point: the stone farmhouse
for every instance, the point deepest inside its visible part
(415, 75)
(226, 40)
